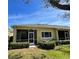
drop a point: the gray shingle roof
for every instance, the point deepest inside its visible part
(43, 25)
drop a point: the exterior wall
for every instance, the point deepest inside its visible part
(54, 32)
(39, 32)
(19, 28)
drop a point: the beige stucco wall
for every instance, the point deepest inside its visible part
(39, 30)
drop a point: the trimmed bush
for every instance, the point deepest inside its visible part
(65, 42)
(46, 44)
(18, 45)
(62, 42)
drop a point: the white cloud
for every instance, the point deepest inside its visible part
(44, 13)
(50, 16)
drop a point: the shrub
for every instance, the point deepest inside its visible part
(18, 45)
(35, 41)
(57, 43)
(65, 42)
(46, 44)
(10, 39)
(62, 42)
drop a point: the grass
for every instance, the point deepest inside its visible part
(60, 52)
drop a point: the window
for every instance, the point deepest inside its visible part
(61, 35)
(46, 34)
(22, 35)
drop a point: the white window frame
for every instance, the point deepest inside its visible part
(67, 33)
(46, 37)
(29, 37)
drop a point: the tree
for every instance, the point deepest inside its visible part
(58, 5)
(55, 3)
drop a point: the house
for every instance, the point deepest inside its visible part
(34, 32)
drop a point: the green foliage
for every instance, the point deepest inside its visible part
(64, 48)
(42, 56)
(65, 42)
(10, 39)
(35, 41)
(18, 45)
(46, 44)
(62, 42)
(61, 52)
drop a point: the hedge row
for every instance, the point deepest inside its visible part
(46, 44)
(65, 42)
(18, 45)
(62, 42)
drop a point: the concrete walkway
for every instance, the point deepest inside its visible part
(32, 46)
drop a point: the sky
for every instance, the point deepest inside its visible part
(34, 12)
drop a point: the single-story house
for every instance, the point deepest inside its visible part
(34, 32)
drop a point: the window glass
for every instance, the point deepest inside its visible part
(46, 34)
(22, 35)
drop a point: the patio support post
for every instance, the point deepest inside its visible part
(57, 35)
(14, 35)
(28, 36)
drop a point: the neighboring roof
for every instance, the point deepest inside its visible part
(43, 25)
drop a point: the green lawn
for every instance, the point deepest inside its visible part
(60, 52)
